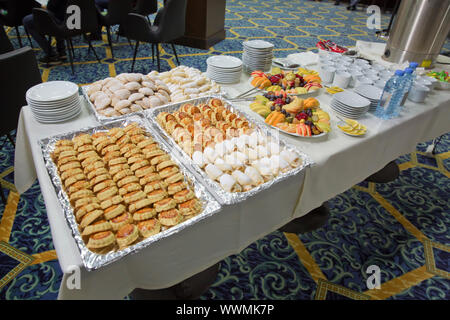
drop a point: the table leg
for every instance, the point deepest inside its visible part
(389, 173)
(189, 289)
(311, 221)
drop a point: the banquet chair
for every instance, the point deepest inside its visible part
(89, 24)
(145, 8)
(19, 72)
(15, 12)
(5, 44)
(168, 26)
(116, 14)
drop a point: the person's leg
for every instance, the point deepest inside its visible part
(28, 23)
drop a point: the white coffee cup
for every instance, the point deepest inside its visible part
(363, 80)
(418, 93)
(327, 73)
(342, 79)
(424, 82)
(380, 83)
(355, 74)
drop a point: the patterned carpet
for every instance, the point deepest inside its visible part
(402, 226)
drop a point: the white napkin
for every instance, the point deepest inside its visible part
(304, 58)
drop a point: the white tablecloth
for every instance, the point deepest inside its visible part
(341, 162)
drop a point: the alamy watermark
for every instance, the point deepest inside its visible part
(73, 21)
(374, 280)
(374, 19)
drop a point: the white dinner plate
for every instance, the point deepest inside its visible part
(351, 99)
(52, 91)
(224, 62)
(369, 92)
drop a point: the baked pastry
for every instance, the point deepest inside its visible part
(121, 220)
(144, 214)
(183, 196)
(190, 207)
(101, 240)
(165, 204)
(99, 226)
(149, 227)
(126, 235)
(114, 211)
(176, 187)
(170, 217)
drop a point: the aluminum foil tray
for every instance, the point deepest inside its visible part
(93, 260)
(224, 197)
(104, 119)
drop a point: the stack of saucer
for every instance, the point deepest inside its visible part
(349, 104)
(54, 101)
(257, 55)
(224, 69)
(372, 93)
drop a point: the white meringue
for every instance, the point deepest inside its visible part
(212, 171)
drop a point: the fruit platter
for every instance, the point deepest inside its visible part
(443, 77)
(291, 114)
(302, 81)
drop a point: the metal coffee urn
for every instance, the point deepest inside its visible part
(419, 31)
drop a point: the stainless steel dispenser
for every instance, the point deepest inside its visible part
(419, 31)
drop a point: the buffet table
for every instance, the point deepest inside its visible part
(340, 162)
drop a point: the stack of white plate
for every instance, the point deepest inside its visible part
(224, 69)
(257, 55)
(350, 104)
(54, 101)
(372, 93)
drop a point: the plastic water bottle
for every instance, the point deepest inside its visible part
(408, 83)
(391, 97)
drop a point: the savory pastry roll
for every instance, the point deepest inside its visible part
(80, 212)
(168, 172)
(120, 221)
(111, 201)
(174, 178)
(90, 217)
(176, 187)
(126, 235)
(107, 193)
(133, 196)
(77, 186)
(183, 195)
(149, 227)
(149, 178)
(99, 226)
(114, 211)
(101, 240)
(129, 179)
(165, 204)
(190, 207)
(139, 204)
(83, 201)
(170, 217)
(144, 214)
(80, 194)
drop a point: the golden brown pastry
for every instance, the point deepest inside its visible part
(126, 235)
(170, 217)
(144, 214)
(149, 227)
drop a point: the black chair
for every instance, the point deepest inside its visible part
(19, 72)
(169, 25)
(145, 8)
(16, 11)
(5, 44)
(116, 14)
(89, 24)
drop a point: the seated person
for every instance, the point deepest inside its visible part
(57, 9)
(102, 4)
